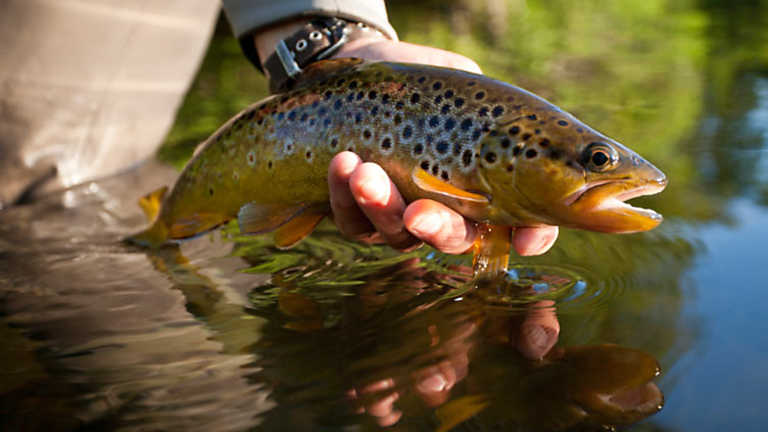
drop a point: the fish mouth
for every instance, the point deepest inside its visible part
(602, 206)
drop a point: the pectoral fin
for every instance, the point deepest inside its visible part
(292, 222)
(430, 183)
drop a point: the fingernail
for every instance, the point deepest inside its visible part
(538, 340)
(433, 383)
(374, 191)
(427, 224)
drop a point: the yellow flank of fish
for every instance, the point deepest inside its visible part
(495, 153)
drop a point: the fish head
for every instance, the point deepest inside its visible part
(546, 167)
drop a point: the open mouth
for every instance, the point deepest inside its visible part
(608, 198)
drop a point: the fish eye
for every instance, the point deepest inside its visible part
(599, 157)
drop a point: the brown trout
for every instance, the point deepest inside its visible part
(493, 152)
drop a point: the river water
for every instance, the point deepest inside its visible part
(659, 331)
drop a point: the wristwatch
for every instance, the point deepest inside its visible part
(316, 40)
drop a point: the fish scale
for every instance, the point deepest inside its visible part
(495, 153)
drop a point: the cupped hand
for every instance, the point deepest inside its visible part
(366, 204)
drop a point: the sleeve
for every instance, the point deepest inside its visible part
(246, 16)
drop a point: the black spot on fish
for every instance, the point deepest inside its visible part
(537, 131)
(374, 110)
(367, 134)
(448, 94)
(360, 95)
(327, 95)
(422, 80)
(341, 82)
(353, 84)
(544, 142)
(531, 117)
(526, 136)
(398, 119)
(304, 117)
(337, 104)
(372, 95)
(562, 123)
(418, 149)
(445, 109)
(210, 191)
(358, 118)
(260, 121)
(516, 151)
(479, 95)
(387, 114)
(269, 165)
(438, 100)
(497, 111)
(334, 142)
(435, 169)
(456, 149)
(466, 124)
(434, 121)
(476, 134)
(444, 175)
(424, 165)
(312, 122)
(385, 99)
(505, 142)
(531, 153)
(437, 85)
(399, 105)
(449, 124)
(415, 98)
(482, 112)
(510, 168)
(308, 154)
(386, 143)
(250, 115)
(407, 131)
(458, 102)
(490, 157)
(442, 147)
(466, 157)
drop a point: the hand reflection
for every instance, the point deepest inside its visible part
(445, 354)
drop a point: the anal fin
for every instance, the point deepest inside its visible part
(291, 222)
(297, 228)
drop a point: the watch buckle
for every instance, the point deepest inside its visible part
(290, 66)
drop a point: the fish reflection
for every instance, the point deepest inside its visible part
(475, 360)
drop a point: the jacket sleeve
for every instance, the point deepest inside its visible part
(247, 16)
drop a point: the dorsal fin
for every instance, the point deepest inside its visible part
(427, 182)
(323, 69)
(150, 203)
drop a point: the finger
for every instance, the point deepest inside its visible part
(383, 406)
(348, 217)
(534, 240)
(539, 331)
(439, 226)
(380, 201)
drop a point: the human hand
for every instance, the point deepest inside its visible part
(366, 204)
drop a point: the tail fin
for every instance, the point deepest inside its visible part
(151, 202)
(157, 234)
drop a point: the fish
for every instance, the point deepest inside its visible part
(495, 153)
